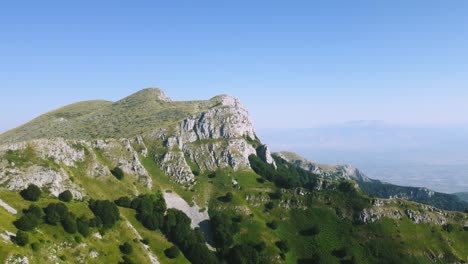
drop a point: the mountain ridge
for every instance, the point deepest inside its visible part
(204, 159)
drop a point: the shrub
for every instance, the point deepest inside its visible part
(124, 201)
(69, 223)
(82, 225)
(35, 210)
(65, 196)
(260, 246)
(243, 254)
(21, 238)
(340, 253)
(269, 205)
(346, 187)
(106, 210)
(223, 230)
(35, 246)
(126, 260)
(27, 222)
(276, 195)
(448, 227)
(172, 252)
(126, 248)
(32, 193)
(283, 246)
(55, 212)
(228, 197)
(151, 221)
(273, 225)
(313, 231)
(118, 173)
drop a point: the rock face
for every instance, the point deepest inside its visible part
(264, 153)
(216, 138)
(397, 209)
(50, 163)
(193, 136)
(347, 172)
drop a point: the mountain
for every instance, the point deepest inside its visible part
(462, 195)
(149, 180)
(408, 155)
(376, 188)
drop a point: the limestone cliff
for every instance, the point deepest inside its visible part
(192, 136)
(347, 172)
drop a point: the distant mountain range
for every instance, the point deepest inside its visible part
(432, 156)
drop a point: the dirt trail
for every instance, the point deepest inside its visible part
(152, 257)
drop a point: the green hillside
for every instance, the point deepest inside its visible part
(462, 195)
(317, 226)
(132, 116)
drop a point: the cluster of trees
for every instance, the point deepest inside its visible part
(106, 214)
(52, 214)
(285, 175)
(58, 213)
(191, 242)
(223, 231)
(31, 218)
(224, 226)
(151, 211)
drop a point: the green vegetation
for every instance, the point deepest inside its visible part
(285, 176)
(106, 212)
(31, 193)
(118, 173)
(463, 196)
(150, 210)
(21, 238)
(440, 200)
(126, 248)
(172, 252)
(65, 196)
(126, 118)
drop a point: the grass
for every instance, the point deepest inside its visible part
(127, 118)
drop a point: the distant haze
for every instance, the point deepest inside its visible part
(431, 156)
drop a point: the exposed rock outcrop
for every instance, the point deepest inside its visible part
(47, 163)
(212, 139)
(264, 153)
(397, 209)
(347, 172)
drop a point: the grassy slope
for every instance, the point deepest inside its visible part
(386, 240)
(128, 117)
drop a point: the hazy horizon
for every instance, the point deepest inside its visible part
(422, 156)
(294, 65)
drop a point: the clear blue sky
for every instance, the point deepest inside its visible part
(292, 63)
